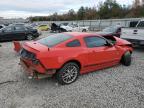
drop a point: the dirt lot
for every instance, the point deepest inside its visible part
(116, 87)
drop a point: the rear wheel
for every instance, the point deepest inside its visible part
(29, 37)
(68, 73)
(126, 59)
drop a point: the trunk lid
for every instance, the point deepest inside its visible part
(35, 47)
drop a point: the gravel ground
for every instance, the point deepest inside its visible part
(116, 87)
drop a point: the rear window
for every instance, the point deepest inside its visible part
(133, 23)
(53, 40)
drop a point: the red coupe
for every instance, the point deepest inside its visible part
(67, 55)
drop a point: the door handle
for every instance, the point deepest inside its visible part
(135, 33)
(93, 51)
(135, 30)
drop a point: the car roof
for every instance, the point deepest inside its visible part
(81, 34)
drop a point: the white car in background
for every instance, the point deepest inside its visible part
(74, 27)
(134, 33)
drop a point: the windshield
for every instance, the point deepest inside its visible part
(110, 29)
(53, 40)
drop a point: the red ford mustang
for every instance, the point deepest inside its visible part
(67, 55)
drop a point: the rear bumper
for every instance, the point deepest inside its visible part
(36, 72)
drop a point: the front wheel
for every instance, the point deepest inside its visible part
(29, 37)
(126, 59)
(68, 73)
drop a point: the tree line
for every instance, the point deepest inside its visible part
(108, 9)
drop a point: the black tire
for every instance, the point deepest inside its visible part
(65, 75)
(59, 31)
(30, 37)
(126, 59)
(84, 30)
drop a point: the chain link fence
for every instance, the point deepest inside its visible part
(95, 25)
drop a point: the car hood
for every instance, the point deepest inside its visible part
(121, 42)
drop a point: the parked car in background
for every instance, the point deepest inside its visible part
(17, 24)
(134, 33)
(67, 55)
(74, 27)
(34, 25)
(57, 28)
(63, 24)
(43, 27)
(111, 31)
(18, 32)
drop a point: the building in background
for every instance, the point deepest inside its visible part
(138, 3)
(12, 20)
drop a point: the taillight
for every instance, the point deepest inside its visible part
(27, 54)
(30, 56)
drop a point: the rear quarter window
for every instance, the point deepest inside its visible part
(74, 43)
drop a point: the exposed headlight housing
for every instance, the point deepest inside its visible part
(35, 61)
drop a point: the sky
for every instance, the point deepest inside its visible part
(26, 8)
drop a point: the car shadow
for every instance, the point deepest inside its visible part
(139, 48)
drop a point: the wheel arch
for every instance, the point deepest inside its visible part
(128, 51)
(125, 52)
(74, 61)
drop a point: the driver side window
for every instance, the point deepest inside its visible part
(94, 41)
(19, 28)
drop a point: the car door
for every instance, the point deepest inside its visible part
(20, 32)
(7, 33)
(100, 53)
